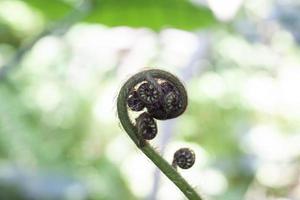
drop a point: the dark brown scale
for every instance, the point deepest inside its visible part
(146, 126)
(167, 87)
(134, 103)
(172, 102)
(170, 92)
(147, 93)
(184, 158)
(157, 111)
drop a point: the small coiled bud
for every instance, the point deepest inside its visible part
(184, 158)
(146, 125)
(148, 93)
(134, 103)
(170, 105)
(172, 102)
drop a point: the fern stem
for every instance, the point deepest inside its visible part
(147, 149)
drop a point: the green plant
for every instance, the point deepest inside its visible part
(164, 97)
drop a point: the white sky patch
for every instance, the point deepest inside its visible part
(289, 84)
(212, 182)
(48, 96)
(141, 53)
(275, 95)
(138, 171)
(271, 174)
(168, 190)
(212, 85)
(120, 147)
(245, 54)
(261, 93)
(225, 10)
(258, 8)
(104, 110)
(177, 46)
(268, 143)
(47, 52)
(92, 52)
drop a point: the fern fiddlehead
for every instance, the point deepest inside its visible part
(164, 97)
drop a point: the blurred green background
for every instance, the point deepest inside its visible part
(62, 63)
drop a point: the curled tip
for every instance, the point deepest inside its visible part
(184, 158)
(148, 93)
(146, 126)
(134, 103)
(162, 96)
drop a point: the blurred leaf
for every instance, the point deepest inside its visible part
(213, 122)
(7, 35)
(155, 14)
(10, 191)
(109, 178)
(52, 10)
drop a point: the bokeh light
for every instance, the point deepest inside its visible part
(62, 65)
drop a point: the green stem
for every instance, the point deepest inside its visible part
(148, 150)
